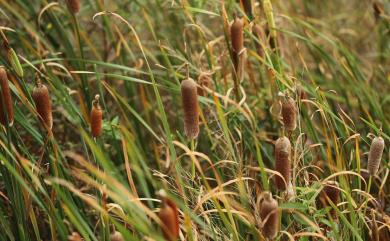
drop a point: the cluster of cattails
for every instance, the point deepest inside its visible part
(116, 236)
(189, 96)
(169, 217)
(42, 102)
(96, 118)
(330, 194)
(6, 107)
(282, 162)
(269, 215)
(73, 5)
(237, 39)
(289, 114)
(375, 155)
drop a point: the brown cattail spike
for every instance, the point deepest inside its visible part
(289, 114)
(96, 118)
(330, 193)
(169, 216)
(237, 38)
(116, 236)
(190, 107)
(73, 5)
(42, 101)
(269, 216)
(6, 107)
(282, 162)
(247, 4)
(375, 155)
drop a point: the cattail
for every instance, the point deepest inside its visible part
(190, 107)
(247, 4)
(378, 9)
(259, 34)
(73, 6)
(6, 107)
(42, 101)
(375, 155)
(74, 237)
(96, 118)
(116, 236)
(169, 216)
(237, 38)
(330, 192)
(282, 162)
(203, 81)
(289, 114)
(269, 216)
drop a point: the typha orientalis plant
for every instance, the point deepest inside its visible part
(238, 51)
(282, 162)
(190, 104)
(269, 215)
(169, 216)
(375, 155)
(6, 107)
(289, 114)
(73, 5)
(42, 102)
(330, 193)
(96, 118)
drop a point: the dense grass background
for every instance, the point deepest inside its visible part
(134, 54)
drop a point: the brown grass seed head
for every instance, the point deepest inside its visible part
(289, 114)
(42, 102)
(96, 118)
(6, 107)
(282, 162)
(189, 97)
(269, 216)
(375, 155)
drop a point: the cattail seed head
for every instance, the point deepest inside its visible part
(282, 162)
(247, 4)
(289, 114)
(42, 102)
(375, 155)
(116, 236)
(169, 216)
(73, 5)
(269, 216)
(203, 81)
(330, 192)
(259, 34)
(6, 107)
(96, 118)
(190, 107)
(237, 38)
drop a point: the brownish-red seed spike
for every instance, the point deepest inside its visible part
(190, 107)
(375, 155)
(6, 107)
(289, 114)
(330, 192)
(169, 216)
(96, 118)
(259, 34)
(269, 216)
(42, 101)
(237, 38)
(282, 162)
(73, 5)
